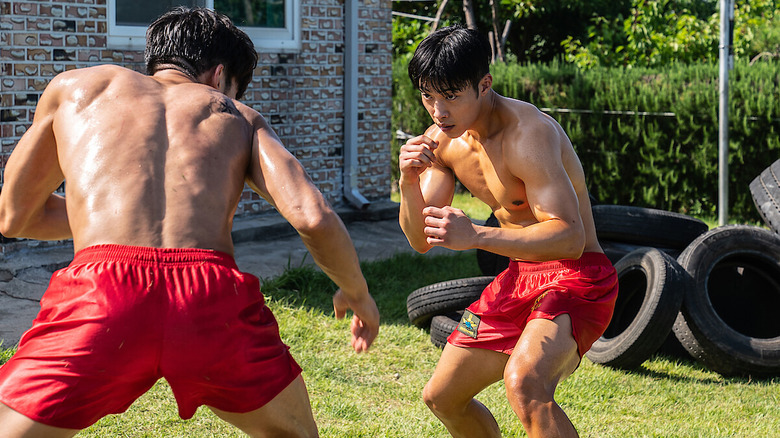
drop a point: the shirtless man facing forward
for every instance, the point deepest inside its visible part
(155, 166)
(532, 325)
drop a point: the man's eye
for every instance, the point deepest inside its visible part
(451, 97)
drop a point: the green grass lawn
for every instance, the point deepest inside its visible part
(378, 394)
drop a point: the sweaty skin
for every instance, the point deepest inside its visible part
(161, 161)
(519, 162)
(509, 155)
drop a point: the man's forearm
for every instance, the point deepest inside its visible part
(411, 218)
(549, 240)
(333, 251)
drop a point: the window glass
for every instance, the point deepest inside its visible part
(253, 13)
(272, 24)
(143, 12)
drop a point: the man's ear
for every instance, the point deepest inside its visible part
(213, 77)
(485, 84)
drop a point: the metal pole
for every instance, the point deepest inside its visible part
(725, 55)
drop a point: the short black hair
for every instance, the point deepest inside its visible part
(450, 59)
(196, 40)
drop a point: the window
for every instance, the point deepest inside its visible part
(272, 24)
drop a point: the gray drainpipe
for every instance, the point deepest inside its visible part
(350, 183)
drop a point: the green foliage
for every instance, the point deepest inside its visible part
(540, 26)
(647, 137)
(409, 31)
(660, 32)
(537, 26)
(6, 353)
(628, 33)
(407, 34)
(409, 115)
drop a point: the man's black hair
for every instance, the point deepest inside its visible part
(197, 39)
(450, 59)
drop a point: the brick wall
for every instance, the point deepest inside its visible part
(300, 93)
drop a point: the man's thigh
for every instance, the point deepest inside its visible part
(462, 373)
(286, 415)
(546, 350)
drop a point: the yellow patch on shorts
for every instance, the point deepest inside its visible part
(469, 324)
(538, 301)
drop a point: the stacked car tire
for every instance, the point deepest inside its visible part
(440, 305)
(714, 294)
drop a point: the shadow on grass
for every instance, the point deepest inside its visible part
(685, 369)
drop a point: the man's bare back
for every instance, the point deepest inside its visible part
(148, 161)
(145, 166)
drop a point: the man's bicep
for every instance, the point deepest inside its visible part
(539, 164)
(267, 149)
(552, 196)
(437, 185)
(32, 173)
(33, 170)
(277, 176)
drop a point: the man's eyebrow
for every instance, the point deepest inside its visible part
(444, 91)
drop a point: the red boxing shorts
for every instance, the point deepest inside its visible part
(585, 289)
(119, 318)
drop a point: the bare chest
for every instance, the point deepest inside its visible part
(488, 178)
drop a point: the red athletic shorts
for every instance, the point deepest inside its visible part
(585, 289)
(119, 318)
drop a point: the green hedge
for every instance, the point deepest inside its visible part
(665, 154)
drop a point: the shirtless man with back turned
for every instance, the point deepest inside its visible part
(154, 169)
(532, 325)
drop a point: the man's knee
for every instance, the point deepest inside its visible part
(430, 396)
(439, 402)
(527, 391)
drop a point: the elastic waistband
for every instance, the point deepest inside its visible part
(141, 255)
(587, 259)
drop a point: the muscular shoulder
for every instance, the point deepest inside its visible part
(246, 111)
(252, 117)
(79, 85)
(531, 135)
(83, 85)
(93, 77)
(445, 146)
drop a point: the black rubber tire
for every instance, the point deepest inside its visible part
(491, 263)
(651, 289)
(617, 250)
(646, 226)
(440, 298)
(728, 320)
(442, 327)
(765, 189)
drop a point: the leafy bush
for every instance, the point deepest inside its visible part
(658, 32)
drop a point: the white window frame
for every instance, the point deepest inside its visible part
(287, 39)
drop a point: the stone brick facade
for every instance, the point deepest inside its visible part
(301, 93)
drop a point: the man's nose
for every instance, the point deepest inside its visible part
(440, 111)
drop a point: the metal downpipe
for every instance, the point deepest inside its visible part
(350, 183)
